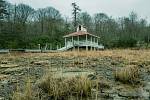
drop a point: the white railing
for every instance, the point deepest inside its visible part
(81, 43)
(71, 44)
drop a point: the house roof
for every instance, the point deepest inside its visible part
(79, 33)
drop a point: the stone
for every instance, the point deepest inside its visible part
(4, 62)
(93, 65)
(92, 77)
(13, 70)
(2, 77)
(147, 86)
(134, 93)
(2, 98)
(40, 62)
(8, 65)
(4, 82)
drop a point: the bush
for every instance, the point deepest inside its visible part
(27, 93)
(59, 88)
(127, 74)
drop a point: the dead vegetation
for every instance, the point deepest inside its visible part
(27, 94)
(64, 87)
(104, 63)
(127, 74)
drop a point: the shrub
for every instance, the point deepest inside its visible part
(27, 93)
(59, 88)
(127, 74)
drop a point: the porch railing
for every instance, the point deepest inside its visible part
(82, 43)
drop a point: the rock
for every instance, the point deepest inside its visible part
(8, 65)
(40, 62)
(14, 80)
(4, 82)
(134, 93)
(146, 63)
(145, 94)
(13, 70)
(2, 77)
(2, 98)
(147, 87)
(130, 94)
(95, 59)
(104, 84)
(92, 77)
(134, 63)
(93, 65)
(4, 62)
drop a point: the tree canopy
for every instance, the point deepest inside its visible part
(24, 27)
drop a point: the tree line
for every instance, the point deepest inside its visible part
(21, 26)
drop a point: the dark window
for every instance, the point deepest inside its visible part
(79, 27)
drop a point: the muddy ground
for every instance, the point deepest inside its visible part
(15, 68)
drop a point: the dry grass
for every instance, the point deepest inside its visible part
(59, 88)
(27, 94)
(127, 74)
(130, 55)
(81, 86)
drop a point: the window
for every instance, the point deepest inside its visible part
(79, 27)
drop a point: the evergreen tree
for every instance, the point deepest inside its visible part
(75, 13)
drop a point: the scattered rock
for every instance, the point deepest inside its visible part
(78, 62)
(146, 63)
(2, 77)
(2, 98)
(147, 86)
(134, 63)
(8, 65)
(104, 84)
(130, 94)
(92, 77)
(4, 62)
(13, 70)
(4, 82)
(93, 65)
(40, 62)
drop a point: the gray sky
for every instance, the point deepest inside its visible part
(115, 8)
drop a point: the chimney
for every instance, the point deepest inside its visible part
(81, 28)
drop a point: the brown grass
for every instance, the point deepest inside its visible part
(27, 94)
(81, 86)
(64, 87)
(130, 55)
(127, 74)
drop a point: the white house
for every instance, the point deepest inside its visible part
(81, 39)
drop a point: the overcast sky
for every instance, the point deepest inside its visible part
(115, 8)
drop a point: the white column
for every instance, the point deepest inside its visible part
(94, 43)
(57, 47)
(78, 42)
(97, 42)
(72, 42)
(86, 43)
(91, 43)
(45, 46)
